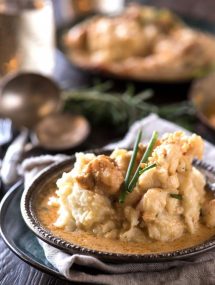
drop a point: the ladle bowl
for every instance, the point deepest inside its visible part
(27, 98)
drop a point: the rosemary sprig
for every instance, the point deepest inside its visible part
(124, 187)
(103, 106)
(143, 160)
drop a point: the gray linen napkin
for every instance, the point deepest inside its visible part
(197, 270)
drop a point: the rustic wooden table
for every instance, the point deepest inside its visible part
(14, 271)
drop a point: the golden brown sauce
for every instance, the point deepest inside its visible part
(48, 215)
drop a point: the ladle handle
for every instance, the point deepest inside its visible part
(9, 171)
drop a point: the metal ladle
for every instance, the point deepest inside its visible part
(26, 98)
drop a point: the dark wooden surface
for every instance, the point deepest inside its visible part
(14, 271)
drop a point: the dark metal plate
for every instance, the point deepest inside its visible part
(17, 235)
(50, 175)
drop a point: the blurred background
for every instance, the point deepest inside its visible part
(31, 34)
(29, 28)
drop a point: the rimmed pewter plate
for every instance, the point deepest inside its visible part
(49, 177)
(17, 235)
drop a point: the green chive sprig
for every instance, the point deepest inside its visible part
(176, 196)
(129, 184)
(130, 168)
(147, 168)
(133, 158)
(123, 193)
(143, 160)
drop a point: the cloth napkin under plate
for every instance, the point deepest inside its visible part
(82, 268)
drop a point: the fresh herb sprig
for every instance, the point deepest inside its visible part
(147, 168)
(102, 106)
(130, 168)
(129, 184)
(176, 196)
(132, 160)
(144, 159)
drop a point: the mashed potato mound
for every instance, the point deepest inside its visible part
(166, 202)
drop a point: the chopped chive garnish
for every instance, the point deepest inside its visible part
(130, 168)
(176, 196)
(147, 168)
(143, 160)
(123, 193)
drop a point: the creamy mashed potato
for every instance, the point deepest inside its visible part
(167, 201)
